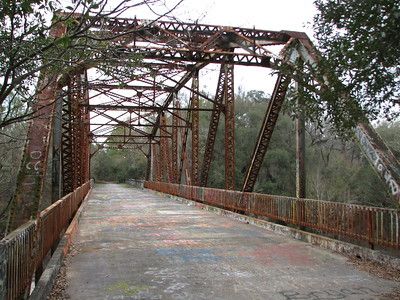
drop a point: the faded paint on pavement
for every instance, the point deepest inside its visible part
(135, 244)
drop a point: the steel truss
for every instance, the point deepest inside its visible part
(173, 54)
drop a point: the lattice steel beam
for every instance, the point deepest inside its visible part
(67, 145)
(165, 155)
(229, 97)
(140, 107)
(213, 127)
(183, 155)
(267, 128)
(130, 87)
(183, 33)
(195, 130)
(77, 129)
(174, 143)
(198, 56)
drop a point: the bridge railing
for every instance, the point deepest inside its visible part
(23, 251)
(376, 226)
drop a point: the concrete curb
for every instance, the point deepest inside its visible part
(341, 247)
(45, 284)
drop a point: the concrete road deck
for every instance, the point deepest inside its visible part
(135, 244)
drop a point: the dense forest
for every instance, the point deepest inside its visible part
(336, 169)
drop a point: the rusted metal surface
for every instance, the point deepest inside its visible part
(267, 128)
(32, 174)
(17, 261)
(213, 127)
(85, 146)
(157, 161)
(186, 32)
(174, 142)
(165, 153)
(183, 156)
(67, 159)
(229, 97)
(22, 252)
(77, 132)
(31, 177)
(373, 225)
(195, 130)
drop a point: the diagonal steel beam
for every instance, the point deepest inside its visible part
(178, 86)
(264, 137)
(212, 130)
(195, 130)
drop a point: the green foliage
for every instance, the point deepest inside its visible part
(360, 41)
(118, 165)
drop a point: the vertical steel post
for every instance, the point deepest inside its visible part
(183, 155)
(174, 144)
(195, 129)
(157, 162)
(164, 149)
(300, 148)
(56, 162)
(80, 132)
(229, 97)
(149, 167)
(213, 127)
(76, 98)
(67, 160)
(86, 130)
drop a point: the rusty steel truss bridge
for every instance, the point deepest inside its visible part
(73, 113)
(80, 112)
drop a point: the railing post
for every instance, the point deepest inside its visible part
(3, 271)
(370, 224)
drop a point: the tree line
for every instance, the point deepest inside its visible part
(336, 168)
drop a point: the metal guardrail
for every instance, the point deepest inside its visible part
(23, 251)
(136, 183)
(377, 226)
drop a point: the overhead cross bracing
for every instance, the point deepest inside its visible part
(142, 105)
(171, 52)
(166, 48)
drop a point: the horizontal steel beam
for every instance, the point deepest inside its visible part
(148, 30)
(141, 125)
(130, 87)
(127, 136)
(196, 55)
(140, 107)
(130, 143)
